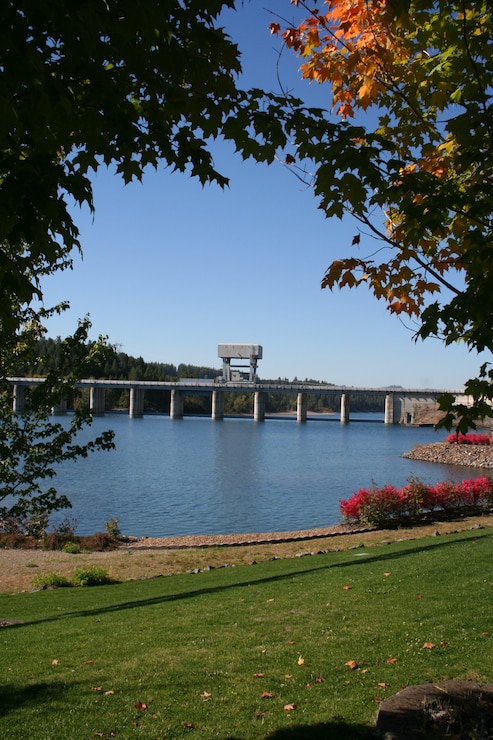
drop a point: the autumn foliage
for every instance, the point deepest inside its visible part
(417, 501)
(417, 170)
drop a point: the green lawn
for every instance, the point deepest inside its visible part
(222, 654)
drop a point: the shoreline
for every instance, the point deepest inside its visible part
(451, 453)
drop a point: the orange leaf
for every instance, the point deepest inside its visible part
(382, 684)
(258, 675)
(428, 646)
(54, 661)
(288, 676)
(205, 695)
(347, 588)
(96, 688)
(109, 693)
(301, 660)
(88, 662)
(320, 680)
(386, 575)
(289, 707)
(140, 705)
(351, 664)
(190, 725)
(391, 660)
(266, 695)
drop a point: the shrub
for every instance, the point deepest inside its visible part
(389, 505)
(72, 548)
(50, 580)
(91, 577)
(112, 528)
(469, 439)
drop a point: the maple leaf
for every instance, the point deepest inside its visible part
(54, 661)
(356, 239)
(428, 646)
(274, 28)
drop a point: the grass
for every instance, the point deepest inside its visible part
(226, 653)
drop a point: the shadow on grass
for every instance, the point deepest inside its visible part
(336, 730)
(324, 731)
(188, 594)
(15, 697)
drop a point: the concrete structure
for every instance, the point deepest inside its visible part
(401, 406)
(234, 356)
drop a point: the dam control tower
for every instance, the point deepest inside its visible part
(235, 357)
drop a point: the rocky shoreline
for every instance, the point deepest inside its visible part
(446, 453)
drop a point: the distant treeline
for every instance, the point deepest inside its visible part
(120, 366)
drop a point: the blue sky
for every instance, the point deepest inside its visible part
(171, 269)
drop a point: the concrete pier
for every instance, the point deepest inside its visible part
(176, 404)
(97, 400)
(389, 409)
(136, 409)
(344, 409)
(60, 408)
(19, 399)
(301, 407)
(259, 406)
(218, 405)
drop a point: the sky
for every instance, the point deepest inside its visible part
(171, 269)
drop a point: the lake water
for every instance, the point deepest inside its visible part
(198, 476)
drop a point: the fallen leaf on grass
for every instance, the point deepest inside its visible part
(391, 660)
(382, 684)
(140, 705)
(96, 688)
(301, 660)
(289, 707)
(428, 646)
(266, 695)
(320, 680)
(347, 588)
(352, 664)
(109, 693)
(386, 575)
(288, 676)
(88, 662)
(190, 725)
(205, 695)
(54, 661)
(258, 675)
(444, 643)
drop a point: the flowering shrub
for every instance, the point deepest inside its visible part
(469, 439)
(387, 505)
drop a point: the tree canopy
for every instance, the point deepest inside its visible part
(124, 84)
(417, 173)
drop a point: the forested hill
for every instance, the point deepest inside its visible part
(120, 366)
